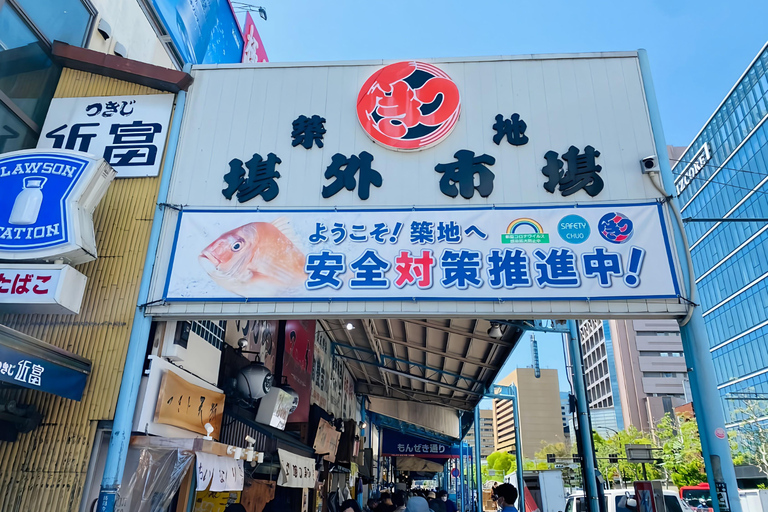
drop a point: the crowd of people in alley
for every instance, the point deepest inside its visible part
(421, 500)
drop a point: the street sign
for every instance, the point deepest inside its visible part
(455, 473)
(639, 453)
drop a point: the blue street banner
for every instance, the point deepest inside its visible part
(28, 371)
(397, 444)
(204, 31)
(548, 253)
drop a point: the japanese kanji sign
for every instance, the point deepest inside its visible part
(403, 445)
(129, 132)
(41, 289)
(182, 404)
(296, 471)
(28, 371)
(557, 253)
(47, 199)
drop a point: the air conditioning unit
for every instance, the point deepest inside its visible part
(186, 349)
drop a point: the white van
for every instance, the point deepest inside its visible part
(623, 500)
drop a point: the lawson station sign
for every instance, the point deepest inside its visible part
(482, 180)
(47, 198)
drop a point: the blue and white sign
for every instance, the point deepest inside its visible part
(204, 31)
(47, 199)
(398, 444)
(423, 254)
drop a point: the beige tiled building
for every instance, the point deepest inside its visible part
(540, 415)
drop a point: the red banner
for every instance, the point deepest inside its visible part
(297, 363)
(253, 48)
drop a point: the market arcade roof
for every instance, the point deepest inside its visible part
(446, 362)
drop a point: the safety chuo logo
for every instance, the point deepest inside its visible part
(408, 105)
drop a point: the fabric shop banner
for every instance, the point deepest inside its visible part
(551, 253)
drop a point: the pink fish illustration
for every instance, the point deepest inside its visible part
(256, 259)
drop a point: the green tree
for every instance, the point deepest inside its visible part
(501, 463)
(623, 471)
(682, 460)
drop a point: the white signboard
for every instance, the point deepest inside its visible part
(482, 142)
(556, 253)
(41, 289)
(129, 132)
(296, 471)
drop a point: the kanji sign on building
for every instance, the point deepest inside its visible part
(484, 254)
(42, 289)
(129, 132)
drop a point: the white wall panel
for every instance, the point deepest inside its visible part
(580, 100)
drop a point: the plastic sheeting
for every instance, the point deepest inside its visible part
(155, 481)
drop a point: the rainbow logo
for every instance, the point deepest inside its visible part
(525, 231)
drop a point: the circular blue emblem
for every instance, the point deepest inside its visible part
(615, 227)
(574, 229)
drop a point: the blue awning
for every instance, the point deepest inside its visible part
(31, 363)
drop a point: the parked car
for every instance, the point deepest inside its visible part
(623, 500)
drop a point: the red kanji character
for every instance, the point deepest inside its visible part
(409, 269)
(22, 282)
(43, 279)
(3, 280)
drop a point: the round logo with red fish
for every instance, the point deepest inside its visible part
(408, 105)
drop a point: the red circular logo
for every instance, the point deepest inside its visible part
(408, 105)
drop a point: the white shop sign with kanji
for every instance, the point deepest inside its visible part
(486, 254)
(129, 132)
(40, 289)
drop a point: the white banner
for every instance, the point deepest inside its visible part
(129, 132)
(552, 253)
(296, 471)
(222, 473)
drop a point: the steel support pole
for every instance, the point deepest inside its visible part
(460, 489)
(518, 451)
(478, 460)
(582, 409)
(701, 369)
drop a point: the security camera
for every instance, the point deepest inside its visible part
(650, 164)
(209, 430)
(242, 343)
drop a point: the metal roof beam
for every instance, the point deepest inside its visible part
(437, 352)
(459, 332)
(411, 394)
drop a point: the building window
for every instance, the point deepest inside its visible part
(28, 75)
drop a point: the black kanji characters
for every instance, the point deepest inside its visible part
(110, 108)
(344, 170)
(308, 131)
(463, 172)
(260, 181)
(582, 172)
(513, 128)
(132, 144)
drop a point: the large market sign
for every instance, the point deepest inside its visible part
(490, 181)
(554, 253)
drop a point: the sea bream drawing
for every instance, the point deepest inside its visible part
(256, 259)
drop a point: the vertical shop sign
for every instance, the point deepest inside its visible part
(297, 363)
(321, 370)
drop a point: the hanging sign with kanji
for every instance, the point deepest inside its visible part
(40, 289)
(555, 253)
(129, 132)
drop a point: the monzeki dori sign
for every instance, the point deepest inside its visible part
(460, 180)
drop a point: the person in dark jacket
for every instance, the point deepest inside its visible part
(350, 506)
(436, 504)
(450, 506)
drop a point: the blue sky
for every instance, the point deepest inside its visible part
(698, 49)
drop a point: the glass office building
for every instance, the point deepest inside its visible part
(723, 174)
(28, 74)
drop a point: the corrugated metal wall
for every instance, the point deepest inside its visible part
(45, 470)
